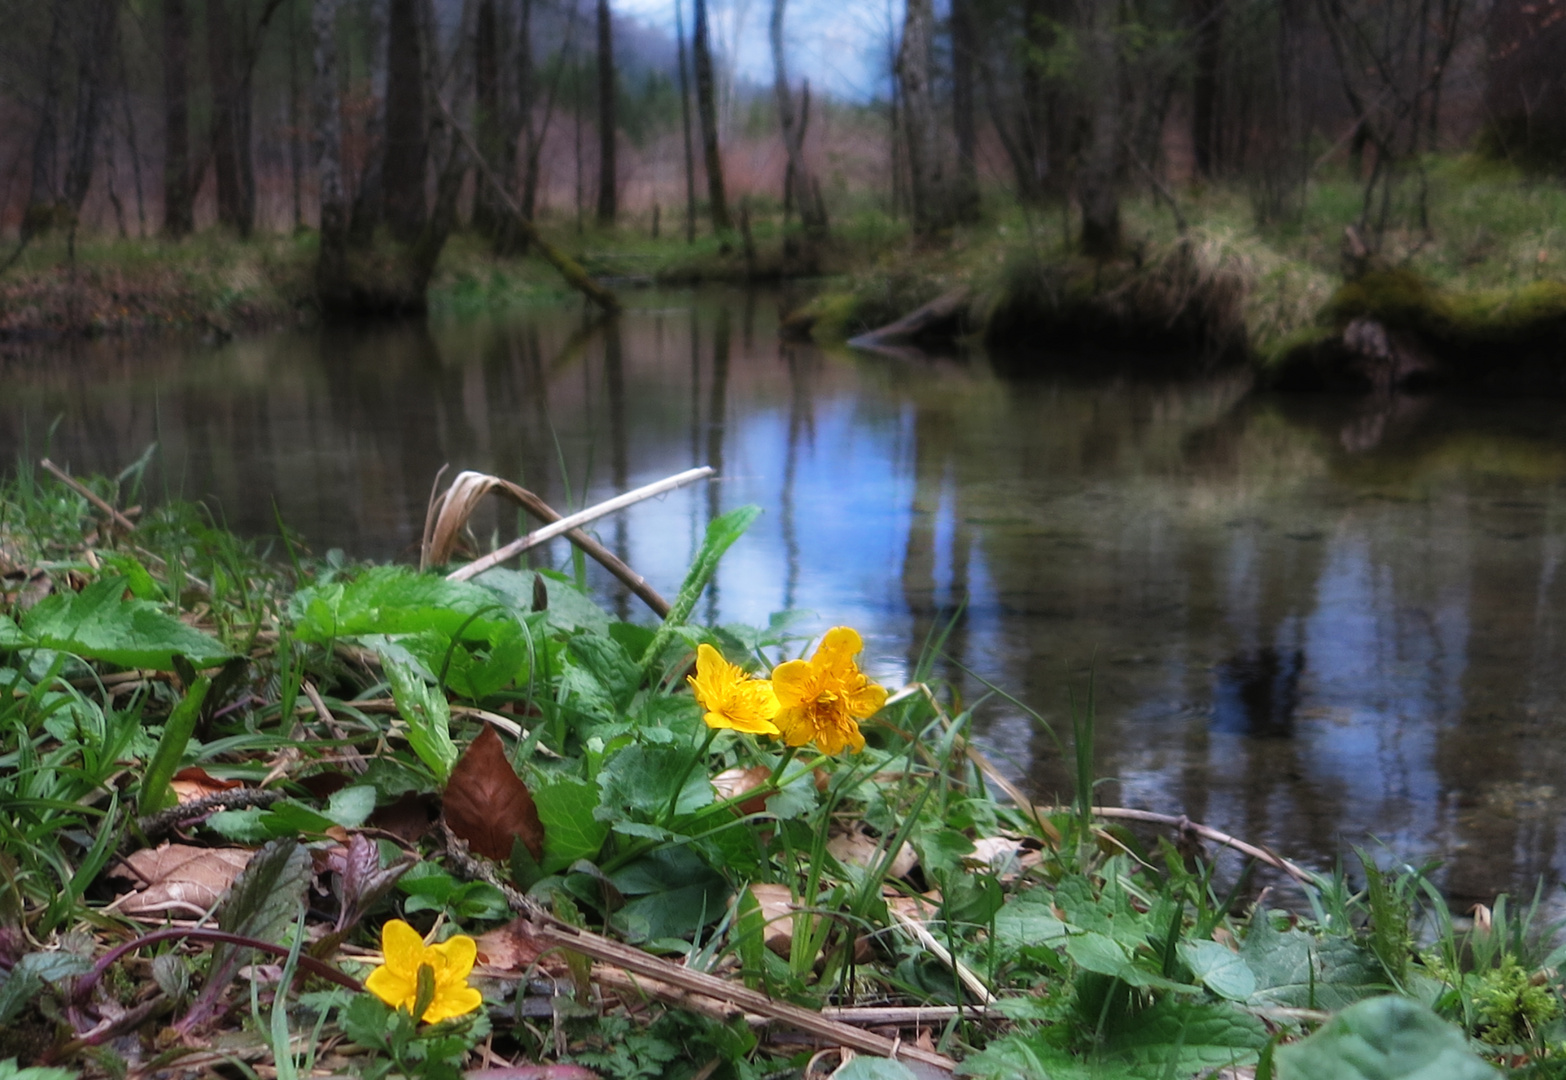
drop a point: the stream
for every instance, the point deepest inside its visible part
(1313, 623)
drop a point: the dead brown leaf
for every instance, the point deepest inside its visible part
(777, 912)
(194, 783)
(179, 878)
(488, 805)
(732, 783)
(514, 948)
(863, 850)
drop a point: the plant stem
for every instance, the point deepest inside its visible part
(701, 755)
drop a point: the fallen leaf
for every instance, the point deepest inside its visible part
(514, 948)
(862, 850)
(179, 878)
(777, 913)
(732, 783)
(192, 783)
(409, 818)
(488, 805)
(998, 853)
(533, 1072)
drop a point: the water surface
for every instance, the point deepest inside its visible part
(1309, 622)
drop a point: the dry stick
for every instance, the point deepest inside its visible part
(605, 558)
(915, 928)
(574, 939)
(569, 268)
(637, 962)
(1181, 822)
(582, 517)
(117, 518)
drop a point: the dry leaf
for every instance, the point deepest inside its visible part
(194, 783)
(533, 1072)
(777, 911)
(862, 850)
(732, 783)
(179, 878)
(487, 804)
(409, 818)
(514, 948)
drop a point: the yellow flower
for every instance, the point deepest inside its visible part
(396, 982)
(731, 699)
(825, 697)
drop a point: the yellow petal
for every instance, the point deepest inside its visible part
(837, 649)
(796, 725)
(459, 951)
(390, 987)
(403, 948)
(793, 684)
(458, 1001)
(867, 700)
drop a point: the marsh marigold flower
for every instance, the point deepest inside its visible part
(396, 982)
(730, 698)
(825, 697)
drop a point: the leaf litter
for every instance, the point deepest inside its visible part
(642, 889)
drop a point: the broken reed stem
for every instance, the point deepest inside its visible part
(916, 930)
(581, 517)
(435, 527)
(742, 998)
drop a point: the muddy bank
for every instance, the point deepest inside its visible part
(1196, 306)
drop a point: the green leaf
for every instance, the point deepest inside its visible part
(1383, 1038)
(31, 974)
(156, 793)
(99, 624)
(641, 779)
(427, 715)
(864, 1067)
(571, 832)
(721, 534)
(1029, 922)
(941, 850)
(1295, 970)
(10, 1070)
(1185, 1035)
(569, 608)
(396, 600)
(1220, 969)
(675, 895)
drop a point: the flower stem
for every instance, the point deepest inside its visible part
(701, 755)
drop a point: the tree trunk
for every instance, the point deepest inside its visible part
(295, 151)
(332, 265)
(221, 64)
(707, 109)
(179, 217)
(369, 202)
(407, 143)
(1099, 190)
(486, 116)
(1208, 58)
(1034, 141)
(965, 191)
(685, 124)
(44, 204)
(608, 175)
(95, 47)
(926, 187)
(798, 185)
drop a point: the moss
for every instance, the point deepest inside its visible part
(1399, 299)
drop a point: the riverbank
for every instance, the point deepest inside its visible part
(347, 750)
(1477, 302)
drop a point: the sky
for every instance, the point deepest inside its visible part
(839, 45)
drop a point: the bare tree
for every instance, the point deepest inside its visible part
(685, 126)
(965, 186)
(707, 109)
(608, 174)
(407, 144)
(926, 184)
(178, 198)
(798, 184)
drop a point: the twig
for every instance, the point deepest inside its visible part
(154, 826)
(582, 517)
(899, 1015)
(914, 927)
(115, 517)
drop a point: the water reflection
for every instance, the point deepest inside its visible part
(1308, 622)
